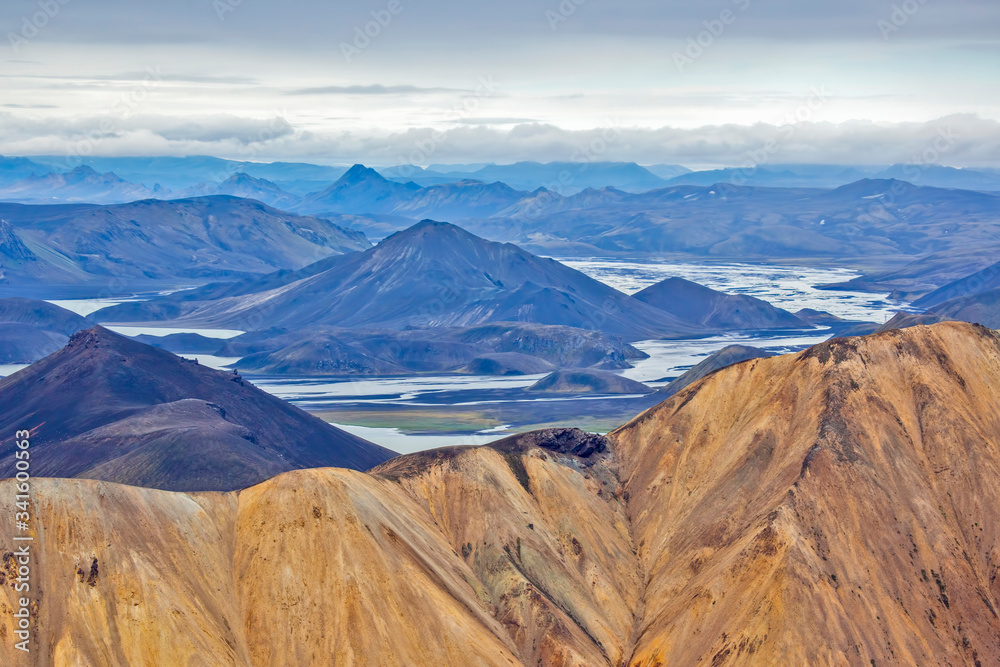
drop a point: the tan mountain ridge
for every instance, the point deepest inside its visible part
(833, 507)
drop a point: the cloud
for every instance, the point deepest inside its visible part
(142, 134)
(492, 121)
(959, 140)
(132, 77)
(375, 89)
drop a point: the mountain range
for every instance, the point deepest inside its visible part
(431, 275)
(129, 248)
(923, 237)
(910, 239)
(82, 184)
(835, 176)
(178, 173)
(106, 407)
(246, 187)
(829, 507)
(503, 348)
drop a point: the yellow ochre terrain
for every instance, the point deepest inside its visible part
(832, 507)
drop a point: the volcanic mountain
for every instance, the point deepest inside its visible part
(982, 308)
(833, 507)
(360, 190)
(432, 275)
(700, 305)
(110, 408)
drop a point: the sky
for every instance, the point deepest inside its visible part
(384, 82)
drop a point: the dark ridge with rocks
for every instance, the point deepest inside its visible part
(571, 441)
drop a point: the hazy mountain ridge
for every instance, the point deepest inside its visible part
(244, 186)
(82, 184)
(878, 221)
(151, 242)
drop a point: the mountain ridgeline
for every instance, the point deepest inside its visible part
(431, 275)
(148, 244)
(438, 275)
(833, 506)
(110, 408)
(909, 237)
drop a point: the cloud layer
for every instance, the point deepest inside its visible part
(961, 140)
(444, 80)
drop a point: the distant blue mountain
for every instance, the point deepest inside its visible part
(152, 244)
(667, 171)
(360, 190)
(833, 176)
(944, 177)
(778, 176)
(14, 169)
(568, 178)
(244, 186)
(178, 173)
(82, 184)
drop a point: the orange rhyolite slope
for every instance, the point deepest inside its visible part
(834, 507)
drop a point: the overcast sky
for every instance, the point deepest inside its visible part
(653, 81)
